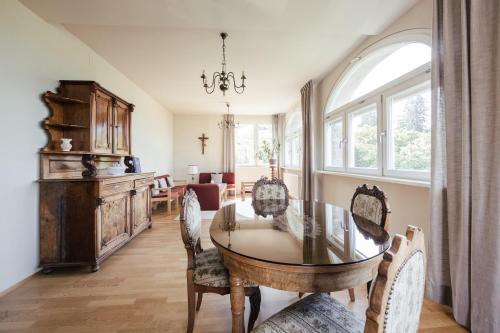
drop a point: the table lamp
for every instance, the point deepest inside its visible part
(193, 171)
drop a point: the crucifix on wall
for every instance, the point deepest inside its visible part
(203, 138)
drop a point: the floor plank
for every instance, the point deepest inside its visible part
(142, 288)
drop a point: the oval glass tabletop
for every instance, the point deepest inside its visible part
(280, 232)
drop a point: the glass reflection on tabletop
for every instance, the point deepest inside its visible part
(275, 232)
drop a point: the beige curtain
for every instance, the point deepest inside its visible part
(228, 146)
(464, 254)
(307, 145)
(279, 136)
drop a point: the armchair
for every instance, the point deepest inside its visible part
(169, 194)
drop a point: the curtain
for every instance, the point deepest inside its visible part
(307, 145)
(228, 146)
(464, 247)
(279, 137)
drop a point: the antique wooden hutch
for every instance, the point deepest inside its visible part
(86, 214)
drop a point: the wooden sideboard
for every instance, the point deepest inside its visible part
(83, 221)
(85, 214)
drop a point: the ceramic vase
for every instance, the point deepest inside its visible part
(66, 144)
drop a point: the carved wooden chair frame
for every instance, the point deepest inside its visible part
(192, 288)
(402, 249)
(266, 181)
(380, 195)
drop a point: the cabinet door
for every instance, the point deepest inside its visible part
(113, 221)
(141, 209)
(121, 138)
(103, 121)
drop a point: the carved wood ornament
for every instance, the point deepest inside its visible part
(88, 161)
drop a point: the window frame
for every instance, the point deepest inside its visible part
(379, 97)
(331, 119)
(289, 137)
(410, 84)
(256, 140)
(363, 104)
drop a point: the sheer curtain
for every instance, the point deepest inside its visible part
(464, 248)
(228, 146)
(279, 136)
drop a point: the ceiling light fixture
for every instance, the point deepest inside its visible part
(227, 123)
(223, 79)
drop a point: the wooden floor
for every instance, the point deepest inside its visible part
(142, 288)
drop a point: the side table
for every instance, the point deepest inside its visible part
(246, 187)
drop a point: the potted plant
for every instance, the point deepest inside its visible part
(268, 152)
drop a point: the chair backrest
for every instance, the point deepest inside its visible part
(190, 222)
(372, 204)
(266, 189)
(397, 293)
(206, 177)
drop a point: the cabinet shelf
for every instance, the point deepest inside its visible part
(61, 99)
(66, 126)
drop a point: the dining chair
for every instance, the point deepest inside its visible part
(394, 305)
(270, 189)
(205, 271)
(372, 204)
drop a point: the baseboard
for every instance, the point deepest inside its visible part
(18, 284)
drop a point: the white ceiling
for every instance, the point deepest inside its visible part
(163, 45)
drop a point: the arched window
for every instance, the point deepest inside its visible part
(293, 139)
(377, 118)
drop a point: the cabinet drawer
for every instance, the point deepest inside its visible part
(143, 182)
(107, 189)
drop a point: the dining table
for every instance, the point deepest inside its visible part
(295, 245)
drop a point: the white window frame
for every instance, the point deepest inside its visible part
(361, 106)
(331, 119)
(412, 78)
(410, 85)
(256, 145)
(289, 137)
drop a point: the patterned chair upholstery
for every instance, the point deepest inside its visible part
(371, 203)
(394, 306)
(206, 271)
(270, 189)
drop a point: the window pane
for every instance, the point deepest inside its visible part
(288, 152)
(297, 151)
(376, 69)
(409, 129)
(334, 145)
(264, 133)
(363, 138)
(245, 145)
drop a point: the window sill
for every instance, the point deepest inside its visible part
(409, 182)
(291, 169)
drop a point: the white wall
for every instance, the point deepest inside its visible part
(410, 204)
(34, 55)
(187, 150)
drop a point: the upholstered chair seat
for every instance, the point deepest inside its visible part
(206, 272)
(211, 272)
(394, 305)
(316, 313)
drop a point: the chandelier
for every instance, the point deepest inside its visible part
(223, 79)
(228, 122)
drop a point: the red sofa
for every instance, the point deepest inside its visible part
(208, 194)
